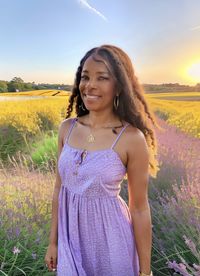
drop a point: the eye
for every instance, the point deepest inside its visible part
(103, 78)
(84, 77)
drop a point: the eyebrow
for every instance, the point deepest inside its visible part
(99, 72)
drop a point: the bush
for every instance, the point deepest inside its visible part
(44, 155)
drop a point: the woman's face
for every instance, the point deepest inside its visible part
(97, 86)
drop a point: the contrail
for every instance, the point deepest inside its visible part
(85, 3)
(195, 28)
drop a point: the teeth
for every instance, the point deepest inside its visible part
(91, 97)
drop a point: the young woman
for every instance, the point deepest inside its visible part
(93, 231)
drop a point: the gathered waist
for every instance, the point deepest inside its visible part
(92, 194)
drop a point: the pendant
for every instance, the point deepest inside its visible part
(90, 138)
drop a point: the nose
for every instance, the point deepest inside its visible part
(91, 83)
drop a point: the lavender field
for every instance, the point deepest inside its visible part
(174, 196)
(175, 203)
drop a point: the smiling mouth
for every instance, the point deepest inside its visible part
(93, 97)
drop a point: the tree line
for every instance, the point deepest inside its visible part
(17, 85)
(171, 87)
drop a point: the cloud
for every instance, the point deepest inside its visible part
(87, 5)
(195, 28)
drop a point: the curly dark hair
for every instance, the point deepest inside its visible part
(133, 107)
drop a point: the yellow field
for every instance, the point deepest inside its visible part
(38, 93)
(29, 115)
(179, 112)
(179, 94)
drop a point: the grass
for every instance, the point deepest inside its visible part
(45, 151)
(25, 218)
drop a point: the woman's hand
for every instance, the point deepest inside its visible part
(51, 257)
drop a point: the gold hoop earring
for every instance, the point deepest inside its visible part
(116, 102)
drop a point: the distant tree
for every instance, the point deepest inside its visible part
(14, 87)
(28, 86)
(16, 84)
(3, 86)
(17, 79)
(41, 87)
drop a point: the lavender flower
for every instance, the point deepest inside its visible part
(17, 231)
(34, 256)
(181, 268)
(16, 250)
(191, 245)
(196, 267)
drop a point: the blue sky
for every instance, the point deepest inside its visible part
(44, 40)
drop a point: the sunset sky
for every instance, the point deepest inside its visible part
(44, 40)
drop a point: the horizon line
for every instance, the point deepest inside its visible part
(161, 83)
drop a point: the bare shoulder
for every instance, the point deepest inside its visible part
(63, 128)
(135, 141)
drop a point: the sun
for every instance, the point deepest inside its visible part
(194, 72)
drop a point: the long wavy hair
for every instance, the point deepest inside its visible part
(132, 108)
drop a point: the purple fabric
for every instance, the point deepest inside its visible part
(95, 232)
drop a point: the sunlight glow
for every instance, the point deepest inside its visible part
(194, 71)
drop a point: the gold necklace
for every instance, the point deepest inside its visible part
(91, 138)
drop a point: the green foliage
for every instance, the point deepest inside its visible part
(3, 86)
(11, 140)
(15, 84)
(29, 260)
(28, 86)
(25, 222)
(44, 154)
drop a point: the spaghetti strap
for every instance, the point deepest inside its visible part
(73, 120)
(119, 135)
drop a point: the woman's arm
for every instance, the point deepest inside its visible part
(51, 254)
(138, 176)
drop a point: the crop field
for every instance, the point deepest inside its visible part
(38, 93)
(177, 110)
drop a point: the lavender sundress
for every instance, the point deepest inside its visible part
(95, 231)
